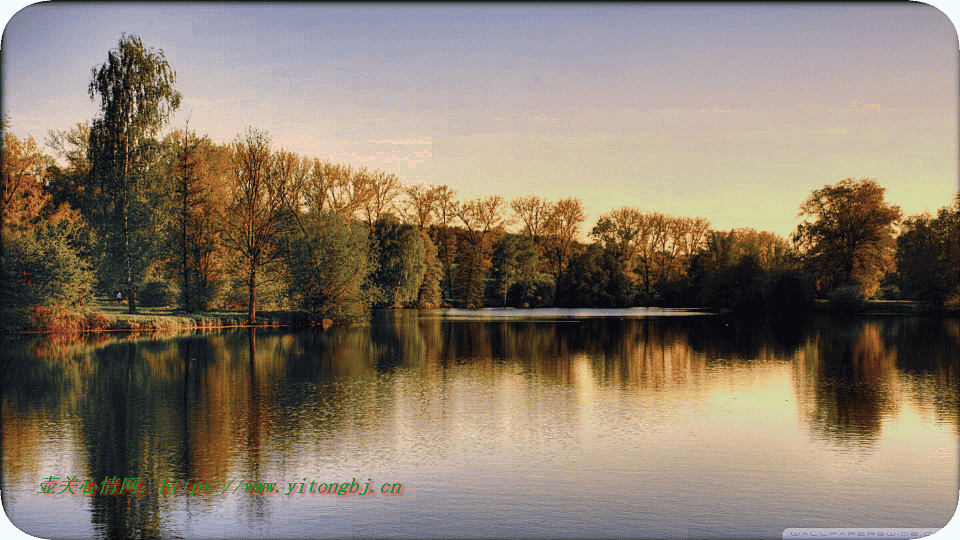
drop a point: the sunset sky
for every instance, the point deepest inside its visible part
(734, 113)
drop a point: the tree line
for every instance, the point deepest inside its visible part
(181, 219)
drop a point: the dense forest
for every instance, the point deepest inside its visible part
(112, 206)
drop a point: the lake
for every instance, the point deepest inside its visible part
(488, 423)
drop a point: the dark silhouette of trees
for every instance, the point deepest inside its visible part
(595, 278)
(848, 236)
(928, 255)
(738, 287)
(746, 270)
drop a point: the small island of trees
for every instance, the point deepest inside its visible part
(182, 220)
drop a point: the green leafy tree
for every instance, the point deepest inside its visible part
(42, 267)
(430, 295)
(514, 262)
(928, 255)
(331, 267)
(847, 238)
(401, 256)
(135, 89)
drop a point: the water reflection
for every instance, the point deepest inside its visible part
(254, 404)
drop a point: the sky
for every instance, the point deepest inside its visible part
(731, 112)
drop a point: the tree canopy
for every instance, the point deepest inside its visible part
(847, 238)
(928, 255)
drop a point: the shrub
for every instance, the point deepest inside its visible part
(890, 292)
(532, 294)
(41, 267)
(57, 318)
(157, 294)
(97, 321)
(847, 299)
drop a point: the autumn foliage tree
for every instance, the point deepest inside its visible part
(561, 232)
(481, 218)
(258, 214)
(847, 237)
(199, 170)
(39, 261)
(22, 197)
(654, 249)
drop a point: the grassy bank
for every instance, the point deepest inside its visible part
(101, 315)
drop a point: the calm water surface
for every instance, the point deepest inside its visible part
(537, 423)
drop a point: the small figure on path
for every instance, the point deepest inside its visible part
(119, 297)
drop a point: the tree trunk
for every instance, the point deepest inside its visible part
(446, 264)
(252, 307)
(131, 294)
(183, 246)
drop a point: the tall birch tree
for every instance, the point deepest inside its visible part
(137, 97)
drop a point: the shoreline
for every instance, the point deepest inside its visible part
(90, 320)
